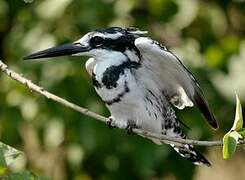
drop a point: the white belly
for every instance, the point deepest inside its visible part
(131, 104)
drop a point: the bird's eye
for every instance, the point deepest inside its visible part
(96, 41)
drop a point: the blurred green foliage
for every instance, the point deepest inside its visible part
(63, 144)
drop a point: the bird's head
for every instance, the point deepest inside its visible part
(97, 44)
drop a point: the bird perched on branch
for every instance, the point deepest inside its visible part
(140, 81)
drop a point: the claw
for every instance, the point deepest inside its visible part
(130, 126)
(109, 123)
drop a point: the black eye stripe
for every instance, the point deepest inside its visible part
(96, 41)
(121, 43)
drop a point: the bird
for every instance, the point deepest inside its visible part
(141, 82)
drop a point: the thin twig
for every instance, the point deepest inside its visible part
(31, 86)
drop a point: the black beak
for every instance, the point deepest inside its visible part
(63, 50)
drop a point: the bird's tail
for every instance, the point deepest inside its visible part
(191, 154)
(187, 151)
(172, 128)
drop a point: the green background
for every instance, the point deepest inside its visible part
(60, 143)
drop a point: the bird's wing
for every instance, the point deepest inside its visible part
(175, 81)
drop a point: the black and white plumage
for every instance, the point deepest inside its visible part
(140, 81)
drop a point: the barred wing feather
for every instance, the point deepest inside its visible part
(176, 82)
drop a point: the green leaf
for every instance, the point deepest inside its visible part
(20, 176)
(230, 141)
(2, 159)
(3, 165)
(238, 122)
(241, 132)
(9, 153)
(231, 138)
(229, 146)
(26, 175)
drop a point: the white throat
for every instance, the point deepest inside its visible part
(107, 59)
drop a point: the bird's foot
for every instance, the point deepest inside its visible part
(110, 123)
(130, 126)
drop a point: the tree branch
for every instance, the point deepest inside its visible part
(40, 90)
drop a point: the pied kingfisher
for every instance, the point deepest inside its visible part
(140, 81)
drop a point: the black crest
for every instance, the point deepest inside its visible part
(125, 31)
